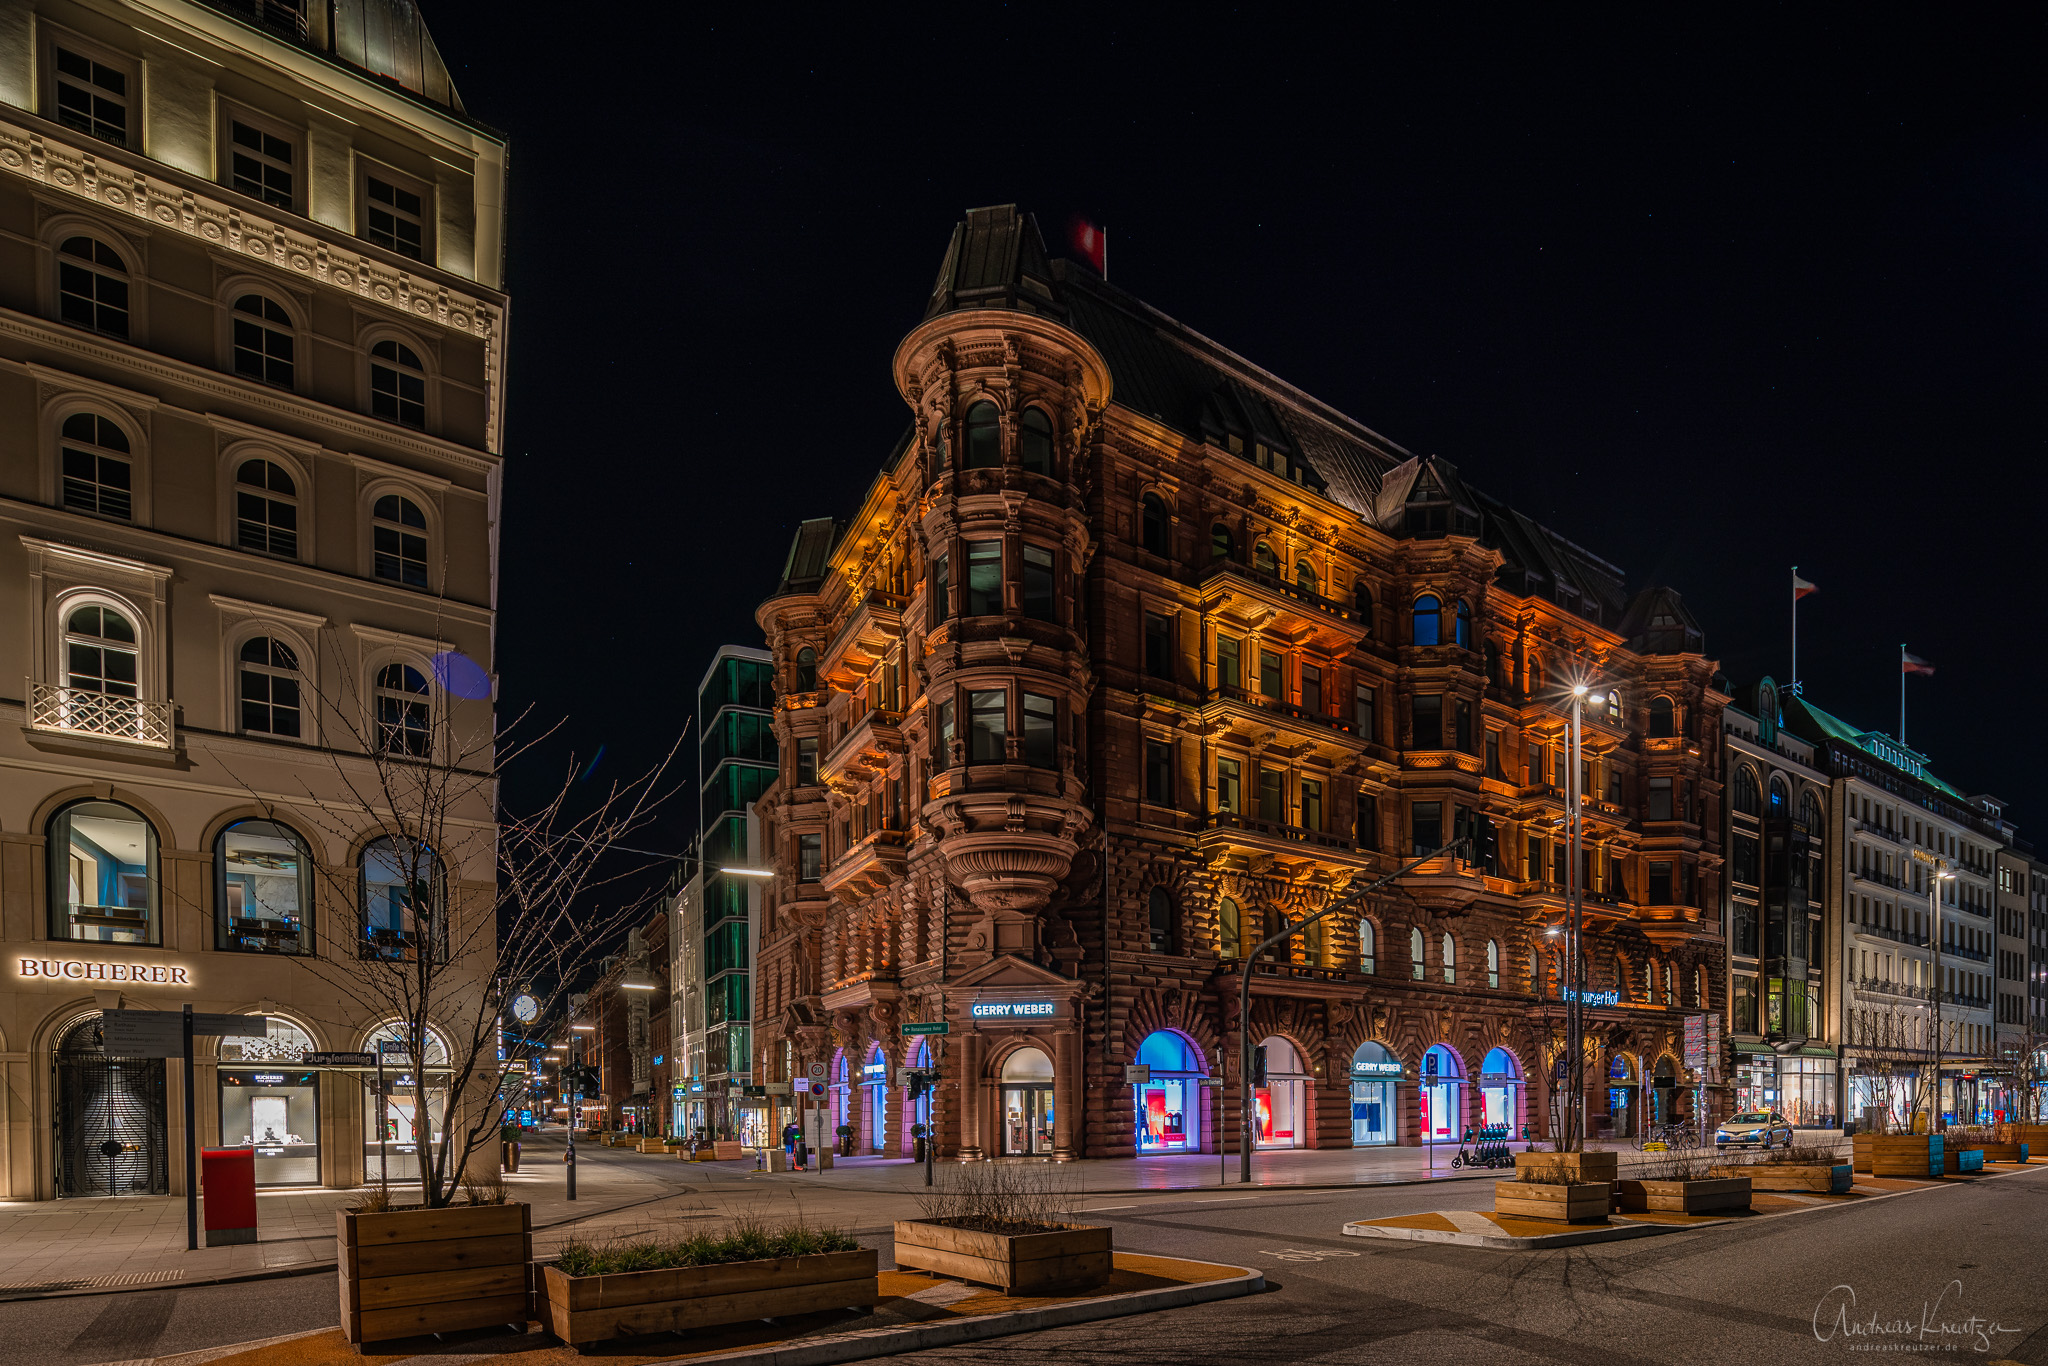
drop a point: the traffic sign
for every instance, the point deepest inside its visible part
(1138, 1073)
(341, 1060)
(817, 1071)
(931, 1027)
(393, 1048)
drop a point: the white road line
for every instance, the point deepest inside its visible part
(1218, 1200)
(1097, 1209)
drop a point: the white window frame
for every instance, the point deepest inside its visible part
(374, 665)
(230, 114)
(121, 408)
(53, 235)
(430, 509)
(295, 320)
(134, 125)
(429, 373)
(64, 577)
(241, 444)
(300, 631)
(366, 169)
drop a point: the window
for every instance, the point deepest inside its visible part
(1426, 824)
(263, 889)
(1659, 808)
(987, 727)
(105, 891)
(1365, 711)
(260, 164)
(1661, 719)
(1429, 721)
(1461, 727)
(92, 97)
(266, 509)
(1368, 825)
(941, 588)
(1461, 625)
(1159, 920)
(1311, 804)
(402, 896)
(984, 437)
(807, 670)
(1229, 673)
(1229, 930)
(1779, 793)
(945, 734)
(398, 384)
(92, 286)
(1493, 964)
(1450, 964)
(1366, 960)
(1660, 882)
(262, 333)
(1271, 681)
(1035, 444)
(97, 473)
(1040, 603)
(1272, 795)
(1493, 768)
(1416, 965)
(1221, 545)
(984, 578)
(807, 761)
(1532, 849)
(1428, 617)
(810, 857)
(1361, 601)
(394, 217)
(100, 652)
(1748, 800)
(1305, 576)
(404, 710)
(269, 678)
(1263, 559)
(1159, 773)
(1312, 689)
(1159, 646)
(1229, 789)
(1154, 526)
(398, 541)
(1041, 731)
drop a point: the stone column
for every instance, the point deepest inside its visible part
(1067, 1093)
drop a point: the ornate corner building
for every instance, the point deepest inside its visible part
(1133, 654)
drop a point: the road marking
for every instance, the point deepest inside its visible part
(1097, 1209)
(1222, 1199)
(1466, 1221)
(1305, 1254)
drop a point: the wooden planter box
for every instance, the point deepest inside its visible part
(413, 1271)
(1834, 1179)
(1687, 1197)
(2005, 1152)
(1581, 1167)
(1075, 1257)
(1955, 1161)
(581, 1309)
(1578, 1203)
(1898, 1154)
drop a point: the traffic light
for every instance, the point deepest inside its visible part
(917, 1085)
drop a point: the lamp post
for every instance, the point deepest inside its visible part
(1575, 825)
(1938, 872)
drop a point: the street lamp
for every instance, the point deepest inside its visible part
(1938, 873)
(1582, 694)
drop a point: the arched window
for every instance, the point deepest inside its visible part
(1810, 816)
(269, 678)
(263, 889)
(1221, 544)
(1747, 800)
(1229, 930)
(1034, 449)
(1313, 944)
(404, 710)
(1450, 952)
(402, 897)
(1779, 794)
(1662, 719)
(99, 475)
(1305, 576)
(1367, 961)
(1159, 920)
(1263, 559)
(103, 875)
(984, 437)
(807, 670)
(100, 652)
(266, 509)
(1415, 954)
(1429, 617)
(1154, 530)
(398, 541)
(398, 384)
(1461, 624)
(1670, 985)
(1700, 995)
(1493, 964)
(1361, 601)
(263, 340)
(92, 286)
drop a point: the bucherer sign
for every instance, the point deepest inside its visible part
(92, 970)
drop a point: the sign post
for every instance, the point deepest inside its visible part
(191, 1143)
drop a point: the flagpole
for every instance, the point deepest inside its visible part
(1902, 694)
(1795, 631)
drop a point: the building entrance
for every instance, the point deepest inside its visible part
(111, 1133)
(1027, 1103)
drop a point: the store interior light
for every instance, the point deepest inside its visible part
(749, 872)
(639, 986)
(584, 1029)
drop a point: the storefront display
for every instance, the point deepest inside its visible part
(1375, 1073)
(1280, 1112)
(391, 1136)
(1027, 1103)
(1622, 1085)
(1500, 1090)
(874, 1080)
(1443, 1078)
(270, 1103)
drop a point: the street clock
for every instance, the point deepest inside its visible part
(524, 1008)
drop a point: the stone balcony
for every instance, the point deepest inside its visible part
(870, 865)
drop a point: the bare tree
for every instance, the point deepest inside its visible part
(413, 794)
(1893, 1041)
(2025, 1062)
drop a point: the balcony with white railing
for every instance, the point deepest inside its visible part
(99, 716)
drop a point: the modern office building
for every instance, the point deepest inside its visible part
(252, 361)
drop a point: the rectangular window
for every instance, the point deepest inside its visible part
(1158, 773)
(261, 164)
(807, 761)
(941, 586)
(1311, 804)
(395, 213)
(987, 726)
(945, 728)
(1660, 882)
(1312, 689)
(1659, 808)
(1532, 765)
(1229, 671)
(1271, 682)
(1041, 731)
(1229, 793)
(810, 857)
(1461, 713)
(1367, 827)
(1493, 768)
(92, 97)
(1426, 826)
(1429, 721)
(1533, 860)
(1159, 646)
(1040, 602)
(1365, 712)
(1272, 796)
(984, 579)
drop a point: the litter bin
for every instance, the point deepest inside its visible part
(227, 1186)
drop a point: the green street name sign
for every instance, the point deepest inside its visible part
(936, 1027)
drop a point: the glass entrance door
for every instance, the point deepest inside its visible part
(1027, 1120)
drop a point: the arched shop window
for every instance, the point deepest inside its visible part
(1280, 1107)
(270, 1102)
(103, 875)
(395, 1154)
(1443, 1076)
(874, 1081)
(1168, 1107)
(263, 885)
(1027, 1100)
(1375, 1073)
(1500, 1081)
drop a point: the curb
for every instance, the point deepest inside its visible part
(1279, 1186)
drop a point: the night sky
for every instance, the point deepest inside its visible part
(1748, 290)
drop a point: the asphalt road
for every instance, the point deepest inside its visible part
(1767, 1290)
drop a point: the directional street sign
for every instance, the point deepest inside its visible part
(161, 1033)
(341, 1060)
(934, 1027)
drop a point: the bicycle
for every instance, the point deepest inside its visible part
(1670, 1135)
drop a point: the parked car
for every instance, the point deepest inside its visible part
(1764, 1129)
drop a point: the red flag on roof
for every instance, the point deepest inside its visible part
(1914, 664)
(1801, 588)
(1091, 242)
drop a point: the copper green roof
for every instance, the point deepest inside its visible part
(1883, 748)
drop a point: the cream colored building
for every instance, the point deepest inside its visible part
(251, 361)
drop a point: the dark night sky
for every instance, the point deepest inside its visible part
(1712, 294)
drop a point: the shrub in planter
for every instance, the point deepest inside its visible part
(1682, 1183)
(600, 1292)
(1008, 1225)
(1547, 1186)
(408, 1271)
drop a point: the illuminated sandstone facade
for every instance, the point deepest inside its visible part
(1132, 649)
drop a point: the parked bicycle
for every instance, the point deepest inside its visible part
(1669, 1135)
(1491, 1149)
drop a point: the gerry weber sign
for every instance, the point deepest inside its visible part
(87, 970)
(1013, 1010)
